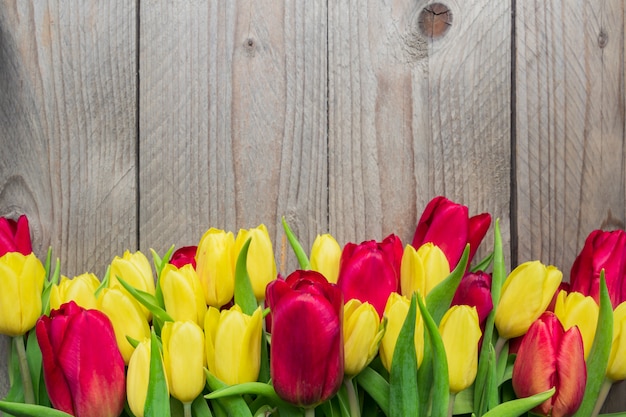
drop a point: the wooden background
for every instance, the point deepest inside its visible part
(136, 125)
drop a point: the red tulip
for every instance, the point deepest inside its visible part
(306, 353)
(370, 271)
(448, 225)
(549, 356)
(602, 250)
(183, 256)
(83, 367)
(15, 236)
(475, 290)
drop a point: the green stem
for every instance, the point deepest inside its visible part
(187, 409)
(309, 412)
(27, 382)
(451, 404)
(604, 391)
(355, 411)
(499, 346)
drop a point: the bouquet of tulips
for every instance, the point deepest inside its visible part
(370, 329)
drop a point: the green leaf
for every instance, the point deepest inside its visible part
(403, 400)
(483, 264)
(148, 300)
(30, 410)
(34, 359)
(439, 298)
(200, 408)
(157, 398)
(517, 407)
(264, 369)
(234, 404)
(244, 294)
(599, 354)
(301, 255)
(159, 263)
(105, 281)
(376, 386)
(257, 388)
(425, 376)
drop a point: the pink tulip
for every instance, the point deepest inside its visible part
(15, 236)
(306, 353)
(549, 356)
(370, 271)
(83, 367)
(602, 250)
(183, 256)
(448, 225)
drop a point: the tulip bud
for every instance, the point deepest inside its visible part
(423, 269)
(526, 294)
(183, 256)
(15, 236)
(475, 290)
(325, 256)
(81, 289)
(215, 264)
(182, 293)
(135, 269)
(21, 280)
(260, 261)
(233, 344)
(306, 353)
(183, 358)
(460, 333)
(549, 356)
(138, 378)
(616, 369)
(370, 271)
(362, 333)
(396, 310)
(574, 309)
(82, 366)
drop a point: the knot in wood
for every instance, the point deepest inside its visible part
(435, 20)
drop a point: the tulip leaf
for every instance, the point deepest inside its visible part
(105, 282)
(599, 354)
(519, 406)
(440, 382)
(235, 405)
(301, 255)
(376, 386)
(200, 408)
(159, 263)
(244, 294)
(264, 367)
(439, 298)
(30, 410)
(425, 376)
(35, 364)
(157, 398)
(403, 375)
(148, 300)
(483, 264)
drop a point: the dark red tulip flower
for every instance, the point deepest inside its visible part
(475, 290)
(15, 236)
(183, 256)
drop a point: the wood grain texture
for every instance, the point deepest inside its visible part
(411, 117)
(569, 129)
(233, 119)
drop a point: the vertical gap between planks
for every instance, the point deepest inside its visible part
(137, 127)
(513, 192)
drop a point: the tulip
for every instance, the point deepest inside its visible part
(325, 257)
(549, 356)
(475, 290)
(396, 310)
(233, 344)
(15, 236)
(574, 309)
(306, 353)
(183, 256)
(215, 264)
(616, 369)
(82, 366)
(362, 333)
(460, 333)
(526, 294)
(602, 250)
(21, 280)
(370, 271)
(135, 269)
(138, 378)
(126, 317)
(81, 289)
(183, 358)
(182, 293)
(260, 262)
(448, 225)
(422, 269)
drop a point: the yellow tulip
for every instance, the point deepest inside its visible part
(616, 369)
(260, 262)
(325, 256)
(81, 289)
(21, 280)
(575, 309)
(135, 269)
(526, 294)
(422, 269)
(460, 333)
(182, 293)
(126, 316)
(233, 344)
(215, 265)
(362, 333)
(396, 310)
(183, 356)
(138, 377)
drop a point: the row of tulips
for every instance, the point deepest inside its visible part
(369, 329)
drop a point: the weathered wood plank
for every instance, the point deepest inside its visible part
(412, 117)
(233, 119)
(570, 164)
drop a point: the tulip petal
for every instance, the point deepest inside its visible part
(571, 387)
